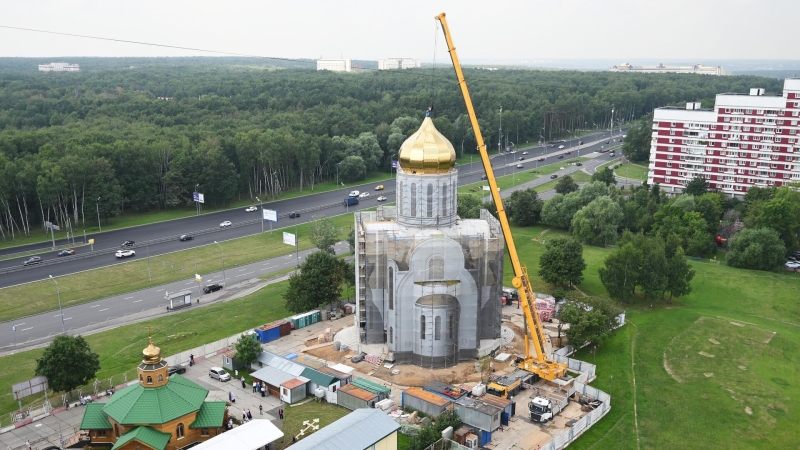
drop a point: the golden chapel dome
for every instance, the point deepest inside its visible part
(427, 151)
(151, 354)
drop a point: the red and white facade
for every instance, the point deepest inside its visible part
(746, 140)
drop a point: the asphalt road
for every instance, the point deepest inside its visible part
(328, 203)
(32, 330)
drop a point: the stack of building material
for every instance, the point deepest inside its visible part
(545, 307)
(349, 308)
(372, 359)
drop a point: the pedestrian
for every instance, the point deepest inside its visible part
(244, 416)
(230, 424)
(232, 397)
(28, 444)
(280, 413)
(255, 385)
(263, 391)
(191, 360)
(244, 385)
(249, 415)
(261, 409)
(236, 373)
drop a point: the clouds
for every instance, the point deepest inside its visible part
(360, 29)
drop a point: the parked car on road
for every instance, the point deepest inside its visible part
(251, 209)
(363, 195)
(176, 369)
(227, 223)
(381, 198)
(520, 166)
(212, 288)
(125, 253)
(522, 158)
(186, 237)
(128, 244)
(554, 176)
(67, 252)
(32, 260)
(219, 373)
(483, 177)
(560, 147)
(294, 215)
(524, 153)
(354, 193)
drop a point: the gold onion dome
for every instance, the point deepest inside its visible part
(427, 151)
(151, 354)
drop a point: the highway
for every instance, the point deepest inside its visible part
(206, 227)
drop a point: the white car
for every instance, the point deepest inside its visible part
(560, 147)
(524, 153)
(363, 195)
(125, 253)
(792, 265)
(251, 209)
(354, 193)
(381, 198)
(227, 223)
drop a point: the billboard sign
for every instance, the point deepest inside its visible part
(394, 164)
(30, 387)
(198, 197)
(289, 239)
(270, 215)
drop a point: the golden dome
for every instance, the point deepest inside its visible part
(427, 151)
(151, 354)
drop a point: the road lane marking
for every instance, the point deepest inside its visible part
(26, 329)
(101, 310)
(57, 315)
(68, 318)
(95, 306)
(128, 298)
(136, 301)
(19, 324)
(159, 290)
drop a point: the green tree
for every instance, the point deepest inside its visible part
(652, 277)
(605, 176)
(524, 207)
(566, 185)
(323, 233)
(68, 362)
(247, 349)
(469, 205)
(679, 275)
(591, 319)
(620, 272)
(782, 214)
(561, 263)
(351, 240)
(637, 141)
(598, 221)
(319, 282)
(697, 187)
(352, 169)
(709, 206)
(756, 248)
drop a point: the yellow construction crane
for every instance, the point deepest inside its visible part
(539, 364)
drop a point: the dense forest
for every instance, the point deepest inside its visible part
(142, 134)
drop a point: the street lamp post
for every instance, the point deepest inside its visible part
(61, 310)
(196, 202)
(97, 205)
(261, 212)
(223, 263)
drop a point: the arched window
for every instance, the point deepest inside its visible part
(430, 201)
(391, 335)
(141, 378)
(391, 287)
(436, 268)
(160, 378)
(413, 200)
(179, 431)
(451, 325)
(444, 200)
(422, 327)
(149, 379)
(437, 328)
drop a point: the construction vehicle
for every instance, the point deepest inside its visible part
(509, 385)
(539, 363)
(544, 408)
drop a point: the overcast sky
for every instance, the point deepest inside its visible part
(482, 30)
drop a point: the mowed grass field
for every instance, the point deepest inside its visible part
(719, 368)
(37, 297)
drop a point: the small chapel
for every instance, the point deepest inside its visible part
(161, 412)
(428, 282)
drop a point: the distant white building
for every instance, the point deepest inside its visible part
(661, 68)
(335, 65)
(398, 63)
(59, 67)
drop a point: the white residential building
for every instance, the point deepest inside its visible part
(398, 63)
(745, 140)
(661, 68)
(335, 65)
(59, 67)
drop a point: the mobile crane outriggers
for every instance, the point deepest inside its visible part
(539, 364)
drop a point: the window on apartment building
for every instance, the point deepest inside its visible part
(720, 169)
(751, 181)
(738, 188)
(719, 177)
(792, 131)
(749, 111)
(759, 121)
(774, 157)
(795, 113)
(672, 132)
(713, 127)
(779, 121)
(794, 122)
(760, 111)
(673, 124)
(747, 120)
(727, 110)
(668, 172)
(744, 145)
(796, 104)
(669, 164)
(772, 174)
(683, 157)
(738, 179)
(727, 119)
(671, 141)
(669, 156)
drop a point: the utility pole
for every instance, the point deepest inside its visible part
(261, 213)
(223, 263)
(500, 133)
(149, 275)
(58, 292)
(297, 244)
(97, 205)
(612, 120)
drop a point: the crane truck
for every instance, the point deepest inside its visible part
(539, 363)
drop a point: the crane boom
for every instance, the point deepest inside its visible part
(540, 364)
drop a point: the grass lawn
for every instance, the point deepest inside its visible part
(630, 170)
(404, 442)
(132, 219)
(522, 176)
(578, 177)
(684, 395)
(294, 416)
(39, 296)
